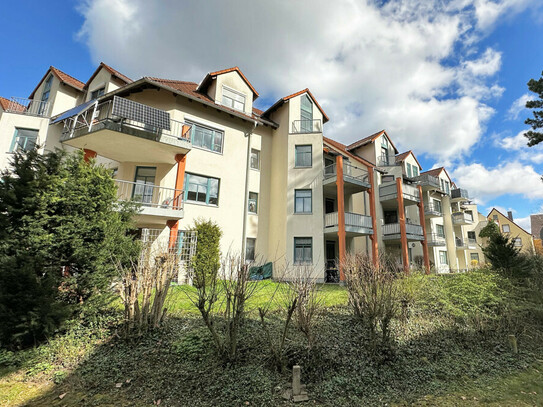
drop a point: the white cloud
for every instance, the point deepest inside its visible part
(518, 106)
(505, 179)
(516, 143)
(369, 67)
(524, 223)
(489, 11)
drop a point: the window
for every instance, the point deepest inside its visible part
(443, 257)
(447, 188)
(303, 250)
(517, 241)
(384, 142)
(250, 249)
(505, 229)
(47, 89)
(472, 237)
(255, 159)
(470, 214)
(97, 93)
(302, 201)
(387, 178)
(384, 155)
(495, 218)
(303, 156)
(144, 184)
(415, 171)
(437, 205)
(253, 202)
(206, 138)
(440, 230)
(233, 99)
(306, 114)
(474, 257)
(409, 173)
(201, 189)
(390, 217)
(24, 140)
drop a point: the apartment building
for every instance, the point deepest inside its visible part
(277, 187)
(523, 239)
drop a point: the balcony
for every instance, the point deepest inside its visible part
(461, 244)
(28, 107)
(155, 201)
(355, 224)
(435, 239)
(427, 181)
(386, 161)
(462, 218)
(459, 194)
(306, 126)
(472, 243)
(391, 231)
(432, 211)
(355, 179)
(388, 195)
(124, 130)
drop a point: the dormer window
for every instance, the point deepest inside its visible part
(98, 92)
(47, 89)
(306, 114)
(233, 99)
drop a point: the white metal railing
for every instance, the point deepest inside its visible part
(391, 229)
(349, 171)
(150, 195)
(460, 243)
(388, 189)
(462, 218)
(472, 241)
(386, 161)
(29, 107)
(351, 219)
(411, 229)
(428, 180)
(408, 191)
(459, 193)
(307, 126)
(436, 239)
(103, 114)
(432, 209)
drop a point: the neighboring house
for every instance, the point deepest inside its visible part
(508, 227)
(536, 224)
(277, 187)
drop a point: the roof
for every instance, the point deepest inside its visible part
(63, 77)
(371, 139)
(207, 80)
(6, 104)
(280, 102)
(403, 156)
(112, 71)
(342, 148)
(434, 172)
(521, 228)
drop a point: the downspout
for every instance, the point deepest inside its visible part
(246, 200)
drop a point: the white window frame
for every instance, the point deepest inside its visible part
(253, 199)
(296, 165)
(233, 101)
(508, 228)
(248, 247)
(15, 143)
(255, 152)
(304, 200)
(194, 125)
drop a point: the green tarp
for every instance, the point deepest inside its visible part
(261, 272)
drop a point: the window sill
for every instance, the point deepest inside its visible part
(302, 167)
(255, 169)
(252, 213)
(303, 213)
(200, 204)
(207, 150)
(303, 263)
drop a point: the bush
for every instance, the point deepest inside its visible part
(206, 260)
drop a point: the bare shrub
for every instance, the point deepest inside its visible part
(373, 294)
(144, 287)
(309, 301)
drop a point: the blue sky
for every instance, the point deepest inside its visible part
(442, 77)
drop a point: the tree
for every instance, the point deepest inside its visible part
(500, 249)
(536, 123)
(60, 224)
(206, 260)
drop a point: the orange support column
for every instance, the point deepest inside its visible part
(89, 154)
(374, 239)
(425, 241)
(340, 215)
(178, 198)
(403, 230)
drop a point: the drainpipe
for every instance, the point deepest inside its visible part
(246, 200)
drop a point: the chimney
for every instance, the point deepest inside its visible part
(510, 215)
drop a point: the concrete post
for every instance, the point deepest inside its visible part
(296, 380)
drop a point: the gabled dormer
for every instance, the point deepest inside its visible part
(230, 88)
(377, 148)
(105, 79)
(305, 115)
(443, 179)
(409, 163)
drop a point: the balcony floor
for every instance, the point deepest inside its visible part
(398, 237)
(128, 144)
(350, 231)
(350, 185)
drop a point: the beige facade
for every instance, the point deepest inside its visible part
(523, 240)
(280, 191)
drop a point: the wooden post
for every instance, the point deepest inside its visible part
(423, 224)
(340, 215)
(374, 238)
(403, 230)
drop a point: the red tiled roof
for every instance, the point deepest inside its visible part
(403, 156)
(10, 104)
(342, 148)
(63, 77)
(207, 80)
(436, 171)
(277, 104)
(112, 71)
(371, 139)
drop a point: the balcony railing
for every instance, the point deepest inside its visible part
(349, 171)
(390, 191)
(28, 107)
(462, 218)
(351, 219)
(459, 193)
(435, 239)
(149, 195)
(122, 115)
(394, 229)
(427, 180)
(460, 243)
(307, 126)
(431, 209)
(386, 161)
